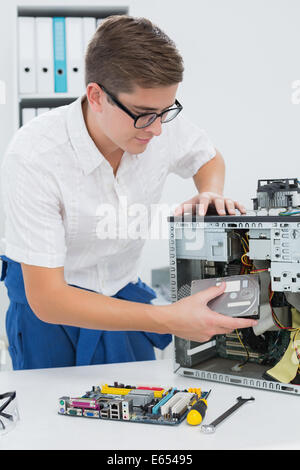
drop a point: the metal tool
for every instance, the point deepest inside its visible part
(210, 428)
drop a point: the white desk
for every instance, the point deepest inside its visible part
(271, 422)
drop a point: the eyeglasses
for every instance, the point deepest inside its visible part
(8, 419)
(146, 119)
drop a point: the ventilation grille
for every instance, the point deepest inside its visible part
(184, 291)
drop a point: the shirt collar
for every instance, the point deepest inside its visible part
(88, 155)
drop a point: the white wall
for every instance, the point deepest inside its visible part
(241, 58)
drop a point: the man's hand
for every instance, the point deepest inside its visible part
(199, 204)
(191, 318)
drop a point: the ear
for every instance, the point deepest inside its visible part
(95, 96)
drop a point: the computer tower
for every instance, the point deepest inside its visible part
(266, 356)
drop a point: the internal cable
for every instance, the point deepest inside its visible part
(282, 327)
(244, 258)
(289, 213)
(239, 366)
(247, 352)
(259, 270)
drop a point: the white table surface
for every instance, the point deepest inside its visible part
(270, 422)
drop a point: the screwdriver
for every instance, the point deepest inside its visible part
(196, 414)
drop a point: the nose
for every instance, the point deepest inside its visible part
(155, 127)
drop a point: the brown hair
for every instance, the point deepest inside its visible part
(127, 51)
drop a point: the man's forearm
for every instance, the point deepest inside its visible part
(77, 307)
(210, 176)
(188, 318)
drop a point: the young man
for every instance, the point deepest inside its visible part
(75, 295)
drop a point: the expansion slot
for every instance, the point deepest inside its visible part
(182, 404)
(234, 352)
(232, 336)
(168, 407)
(234, 344)
(167, 397)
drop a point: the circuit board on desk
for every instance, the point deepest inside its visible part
(139, 404)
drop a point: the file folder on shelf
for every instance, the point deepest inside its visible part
(27, 115)
(74, 47)
(44, 55)
(59, 51)
(27, 67)
(89, 28)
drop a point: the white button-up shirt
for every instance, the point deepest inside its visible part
(61, 199)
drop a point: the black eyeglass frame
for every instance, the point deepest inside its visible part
(11, 396)
(135, 117)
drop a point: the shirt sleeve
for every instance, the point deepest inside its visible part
(189, 147)
(34, 229)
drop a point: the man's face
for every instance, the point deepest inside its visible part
(118, 126)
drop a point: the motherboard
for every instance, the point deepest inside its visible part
(139, 404)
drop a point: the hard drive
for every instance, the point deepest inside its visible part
(240, 298)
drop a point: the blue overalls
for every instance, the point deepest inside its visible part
(35, 344)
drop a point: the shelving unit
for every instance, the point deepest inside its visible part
(51, 100)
